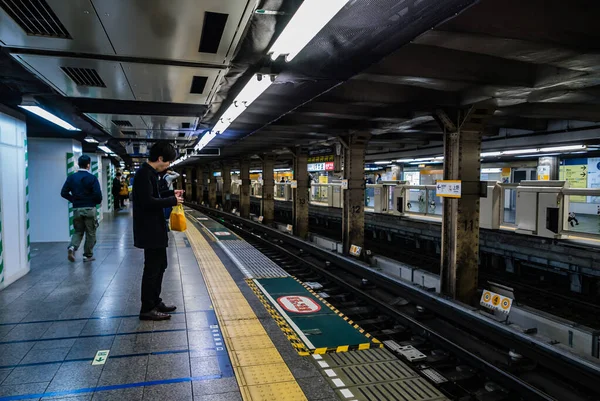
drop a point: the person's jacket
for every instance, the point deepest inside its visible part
(149, 225)
(82, 189)
(116, 186)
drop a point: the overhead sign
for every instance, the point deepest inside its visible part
(326, 166)
(448, 188)
(494, 301)
(298, 304)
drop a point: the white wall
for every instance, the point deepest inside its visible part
(14, 258)
(49, 212)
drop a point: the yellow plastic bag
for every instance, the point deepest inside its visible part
(178, 222)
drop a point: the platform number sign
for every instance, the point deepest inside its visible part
(493, 301)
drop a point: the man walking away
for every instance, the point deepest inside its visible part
(116, 189)
(150, 229)
(82, 189)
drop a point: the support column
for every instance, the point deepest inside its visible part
(188, 184)
(199, 184)
(353, 221)
(268, 193)
(460, 220)
(300, 195)
(212, 188)
(245, 188)
(226, 175)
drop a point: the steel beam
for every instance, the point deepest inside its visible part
(188, 184)
(226, 175)
(212, 188)
(268, 191)
(460, 220)
(353, 221)
(300, 195)
(199, 184)
(245, 188)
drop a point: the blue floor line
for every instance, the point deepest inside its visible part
(179, 351)
(93, 318)
(91, 336)
(116, 387)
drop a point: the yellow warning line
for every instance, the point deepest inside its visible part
(260, 370)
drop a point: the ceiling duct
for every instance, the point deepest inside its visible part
(122, 123)
(84, 76)
(212, 32)
(35, 17)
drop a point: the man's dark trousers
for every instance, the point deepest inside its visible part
(155, 264)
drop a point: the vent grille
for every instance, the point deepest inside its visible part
(181, 135)
(198, 84)
(122, 123)
(129, 133)
(185, 125)
(212, 31)
(84, 76)
(35, 17)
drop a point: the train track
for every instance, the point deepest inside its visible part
(479, 362)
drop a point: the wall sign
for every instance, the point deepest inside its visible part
(448, 188)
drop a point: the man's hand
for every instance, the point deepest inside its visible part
(179, 200)
(179, 193)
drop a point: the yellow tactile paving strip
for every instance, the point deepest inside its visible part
(260, 370)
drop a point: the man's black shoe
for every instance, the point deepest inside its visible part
(166, 308)
(154, 314)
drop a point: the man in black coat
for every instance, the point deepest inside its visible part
(150, 228)
(116, 189)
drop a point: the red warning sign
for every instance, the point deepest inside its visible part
(298, 304)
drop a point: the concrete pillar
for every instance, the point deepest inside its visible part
(548, 168)
(226, 175)
(353, 220)
(460, 220)
(212, 188)
(268, 195)
(199, 184)
(189, 182)
(301, 196)
(245, 188)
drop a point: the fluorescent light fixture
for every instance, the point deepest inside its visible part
(105, 149)
(310, 18)
(255, 171)
(405, 160)
(426, 162)
(206, 138)
(491, 154)
(491, 170)
(90, 139)
(279, 170)
(37, 110)
(519, 151)
(383, 162)
(253, 89)
(564, 148)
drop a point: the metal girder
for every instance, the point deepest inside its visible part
(301, 195)
(353, 221)
(245, 188)
(133, 107)
(268, 193)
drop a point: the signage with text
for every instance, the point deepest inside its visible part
(494, 301)
(448, 188)
(326, 166)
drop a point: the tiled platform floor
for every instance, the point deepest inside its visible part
(55, 319)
